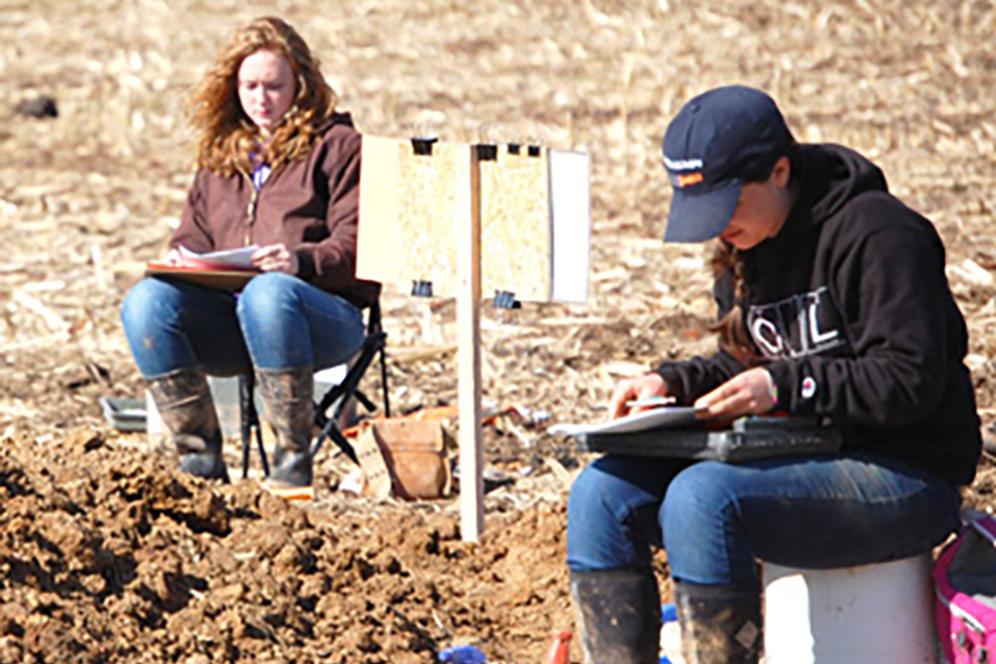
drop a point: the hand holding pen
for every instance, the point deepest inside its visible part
(636, 394)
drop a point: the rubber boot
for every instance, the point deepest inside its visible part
(187, 410)
(619, 615)
(720, 624)
(289, 411)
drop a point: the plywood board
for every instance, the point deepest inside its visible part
(535, 219)
(408, 213)
(515, 224)
(378, 240)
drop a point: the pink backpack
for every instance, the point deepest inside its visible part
(965, 589)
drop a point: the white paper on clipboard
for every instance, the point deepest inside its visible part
(239, 258)
(665, 416)
(570, 209)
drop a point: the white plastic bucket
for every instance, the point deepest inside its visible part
(869, 614)
(154, 427)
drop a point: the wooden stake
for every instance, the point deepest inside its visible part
(469, 351)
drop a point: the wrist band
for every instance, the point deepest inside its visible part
(772, 390)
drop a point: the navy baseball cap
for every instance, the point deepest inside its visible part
(715, 140)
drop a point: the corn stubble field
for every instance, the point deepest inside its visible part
(107, 555)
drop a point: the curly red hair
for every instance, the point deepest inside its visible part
(225, 133)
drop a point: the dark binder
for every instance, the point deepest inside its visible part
(747, 438)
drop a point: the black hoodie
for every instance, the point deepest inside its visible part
(850, 307)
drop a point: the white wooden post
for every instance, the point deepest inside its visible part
(469, 352)
(423, 216)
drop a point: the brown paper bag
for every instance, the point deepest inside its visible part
(405, 457)
(376, 476)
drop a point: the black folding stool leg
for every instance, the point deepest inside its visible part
(341, 393)
(383, 381)
(349, 387)
(249, 421)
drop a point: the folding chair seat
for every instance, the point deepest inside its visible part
(340, 395)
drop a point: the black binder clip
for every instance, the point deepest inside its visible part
(506, 300)
(422, 145)
(422, 288)
(533, 151)
(486, 152)
(513, 148)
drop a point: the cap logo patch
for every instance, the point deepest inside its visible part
(682, 164)
(688, 179)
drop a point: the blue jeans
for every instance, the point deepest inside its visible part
(277, 322)
(716, 519)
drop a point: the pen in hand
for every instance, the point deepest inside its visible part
(651, 402)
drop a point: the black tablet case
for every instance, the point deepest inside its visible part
(746, 438)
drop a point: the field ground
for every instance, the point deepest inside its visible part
(107, 555)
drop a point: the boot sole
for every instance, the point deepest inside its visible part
(290, 493)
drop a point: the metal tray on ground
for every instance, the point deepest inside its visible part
(745, 439)
(124, 414)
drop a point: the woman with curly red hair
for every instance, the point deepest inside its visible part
(278, 168)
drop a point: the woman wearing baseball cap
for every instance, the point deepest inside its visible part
(833, 304)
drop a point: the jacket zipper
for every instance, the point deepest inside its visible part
(251, 209)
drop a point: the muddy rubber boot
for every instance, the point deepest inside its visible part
(289, 411)
(619, 615)
(720, 624)
(184, 403)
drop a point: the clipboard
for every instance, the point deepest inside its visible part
(227, 280)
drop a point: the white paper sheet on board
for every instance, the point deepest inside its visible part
(570, 207)
(666, 416)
